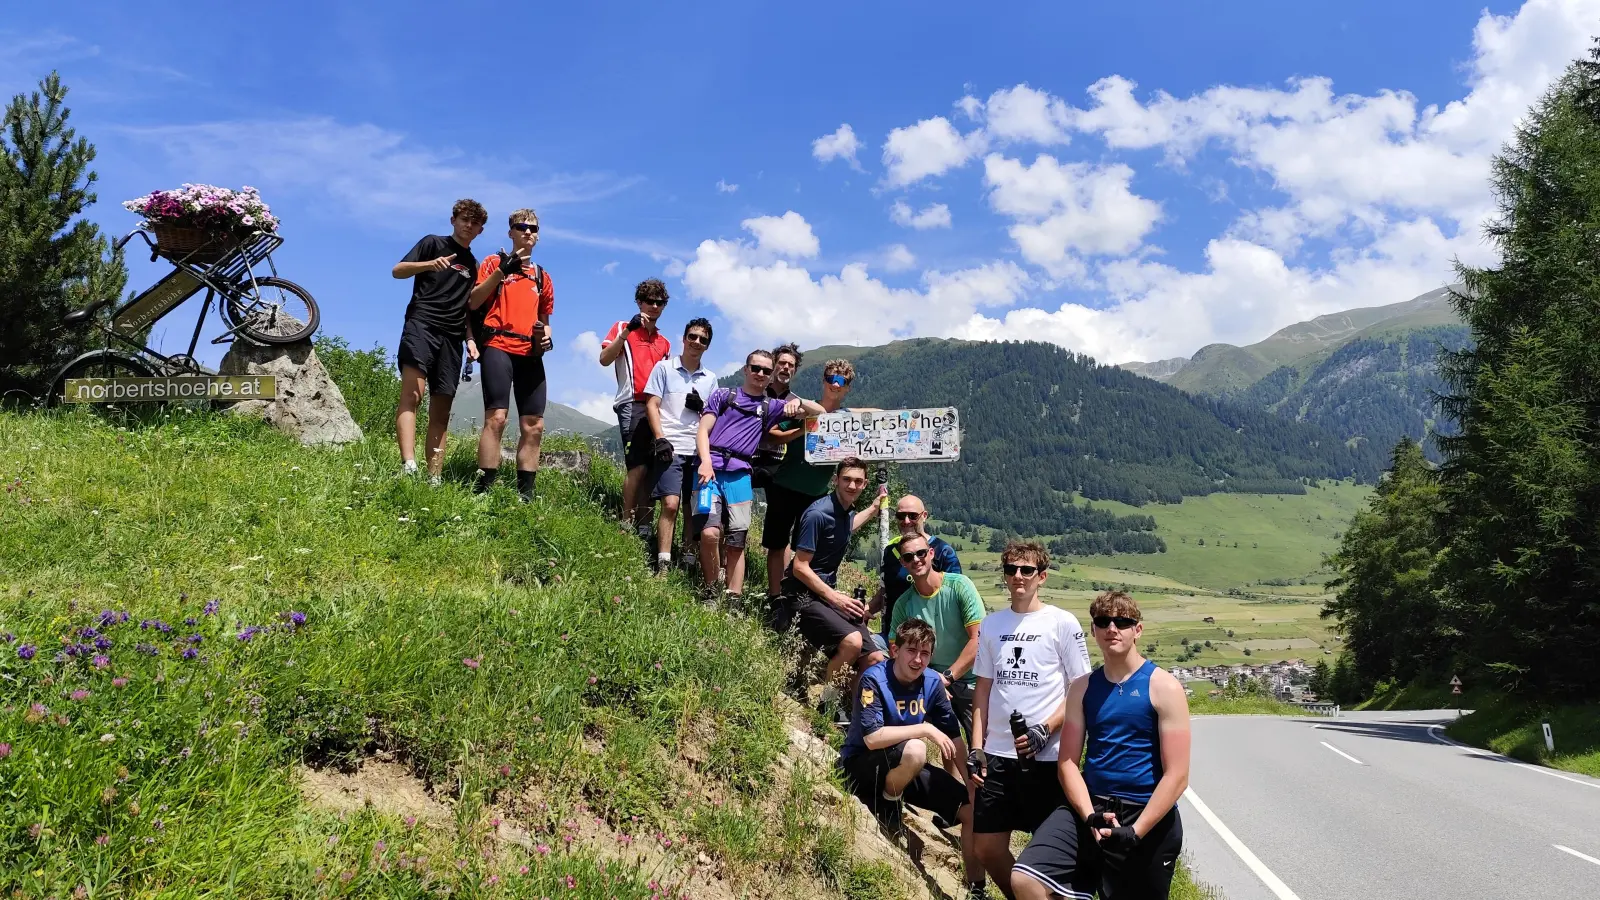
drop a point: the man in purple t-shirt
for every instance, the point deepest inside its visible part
(731, 426)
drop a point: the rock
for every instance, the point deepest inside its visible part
(309, 406)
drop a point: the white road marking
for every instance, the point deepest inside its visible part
(1433, 733)
(1273, 882)
(1582, 856)
(1343, 754)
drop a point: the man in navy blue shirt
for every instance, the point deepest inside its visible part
(901, 705)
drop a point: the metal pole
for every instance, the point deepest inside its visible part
(883, 512)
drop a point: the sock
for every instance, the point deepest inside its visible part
(525, 481)
(485, 480)
(409, 465)
(664, 557)
(891, 798)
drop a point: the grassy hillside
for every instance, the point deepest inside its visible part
(202, 622)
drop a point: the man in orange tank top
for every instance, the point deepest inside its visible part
(515, 298)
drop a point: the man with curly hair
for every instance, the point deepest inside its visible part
(442, 270)
(514, 300)
(632, 348)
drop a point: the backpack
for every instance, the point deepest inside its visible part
(476, 318)
(728, 403)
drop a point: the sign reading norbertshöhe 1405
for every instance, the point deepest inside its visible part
(888, 435)
(180, 387)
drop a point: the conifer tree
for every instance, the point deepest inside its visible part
(52, 260)
(1521, 481)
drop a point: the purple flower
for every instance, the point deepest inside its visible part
(5, 750)
(87, 632)
(194, 638)
(191, 621)
(8, 637)
(297, 618)
(190, 653)
(79, 694)
(107, 617)
(249, 633)
(144, 624)
(101, 662)
(102, 643)
(119, 682)
(470, 663)
(211, 607)
(163, 627)
(26, 651)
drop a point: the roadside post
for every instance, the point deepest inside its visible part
(1455, 688)
(887, 435)
(1549, 739)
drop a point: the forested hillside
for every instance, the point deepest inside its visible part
(1040, 422)
(1378, 389)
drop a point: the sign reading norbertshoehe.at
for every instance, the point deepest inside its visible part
(181, 387)
(889, 435)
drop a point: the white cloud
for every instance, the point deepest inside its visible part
(786, 235)
(585, 345)
(1065, 211)
(934, 216)
(594, 404)
(898, 258)
(724, 187)
(929, 148)
(371, 173)
(970, 106)
(610, 268)
(1023, 114)
(842, 144)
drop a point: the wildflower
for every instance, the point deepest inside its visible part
(505, 772)
(26, 651)
(35, 713)
(5, 750)
(211, 606)
(592, 679)
(79, 694)
(470, 663)
(8, 637)
(88, 633)
(542, 850)
(411, 821)
(35, 830)
(249, 633)
(133, 808)
(522, 870)
(108, 795)
(658, 665)
(102, 643)
(101, 661)
(194, 638)
(158, 825)
(572, 883)
(103, 839)
(297, 618)
(119, 681)
(190, 653)
(494, 880)
(333, 839)
(191, 621)
(107, 738)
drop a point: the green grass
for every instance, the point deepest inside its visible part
(1241, 706)
(1511, 725)
(1434, 695)
(518, 658)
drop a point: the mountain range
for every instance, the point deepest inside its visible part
(466, 415)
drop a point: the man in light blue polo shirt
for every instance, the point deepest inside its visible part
(674, 396)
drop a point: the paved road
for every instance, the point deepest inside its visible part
(1379, 805)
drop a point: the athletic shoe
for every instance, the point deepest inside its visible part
(435, 481)
(409, 467)
(690, 561)
(891, 815)
(977, 892)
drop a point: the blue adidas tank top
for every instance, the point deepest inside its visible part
(1124, 758)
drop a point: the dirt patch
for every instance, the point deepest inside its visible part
(378, 783)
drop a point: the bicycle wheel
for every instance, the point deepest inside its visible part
(275, 312)
(104, 364)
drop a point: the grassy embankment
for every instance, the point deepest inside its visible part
(1510, 724)
(195, 608)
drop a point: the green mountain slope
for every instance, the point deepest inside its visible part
(1039, 422)
(466, 415)
(1221, 369)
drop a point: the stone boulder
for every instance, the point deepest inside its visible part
(309, 406)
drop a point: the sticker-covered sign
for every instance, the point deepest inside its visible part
(890, 435)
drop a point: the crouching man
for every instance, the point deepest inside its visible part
(884, 761)
(1119, 834)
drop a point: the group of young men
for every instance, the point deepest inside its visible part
(1090, 763)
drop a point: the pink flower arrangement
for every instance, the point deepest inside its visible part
(207, 207)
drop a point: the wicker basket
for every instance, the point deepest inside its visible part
(193, 245)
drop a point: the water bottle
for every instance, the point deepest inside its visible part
(1019, 727)
(860, 593)
(703, 496)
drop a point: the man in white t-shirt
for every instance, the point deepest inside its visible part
(1028, 654)
(674, 396)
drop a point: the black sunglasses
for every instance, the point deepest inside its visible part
(761, 370)
(1123, 623)
(906, 516)
(914, 555)
(526, 226)
(697, 339)
(1025, 571)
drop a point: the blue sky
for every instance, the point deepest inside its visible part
(1131, 180)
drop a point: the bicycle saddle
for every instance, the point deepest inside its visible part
(80, 316)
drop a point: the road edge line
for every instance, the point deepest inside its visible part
(1583, 856)
(1342, 753)
(1479, 751)
(1253, 862)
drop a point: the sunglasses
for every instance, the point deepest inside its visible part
(1123, 623)
(1024, 571)
(661, 303)
(697, 339)
(837, 381)
(526, 226)
(907, 516)
(915, 555)
(760, 370)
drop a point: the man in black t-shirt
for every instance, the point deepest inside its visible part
(443, 271)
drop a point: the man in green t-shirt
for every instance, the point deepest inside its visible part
(797, 484)
(949, 602)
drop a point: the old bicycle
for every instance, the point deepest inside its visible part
(265, 309)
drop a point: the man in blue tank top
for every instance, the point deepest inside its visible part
(1119, 834)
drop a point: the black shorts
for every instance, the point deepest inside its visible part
(507, 373)
(961, 702)
(783, 516)
(823, 627)
(434, 353)
(638, 442)
(1013, 800)
(1065, 858)
(934, 789)
(673, 479)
